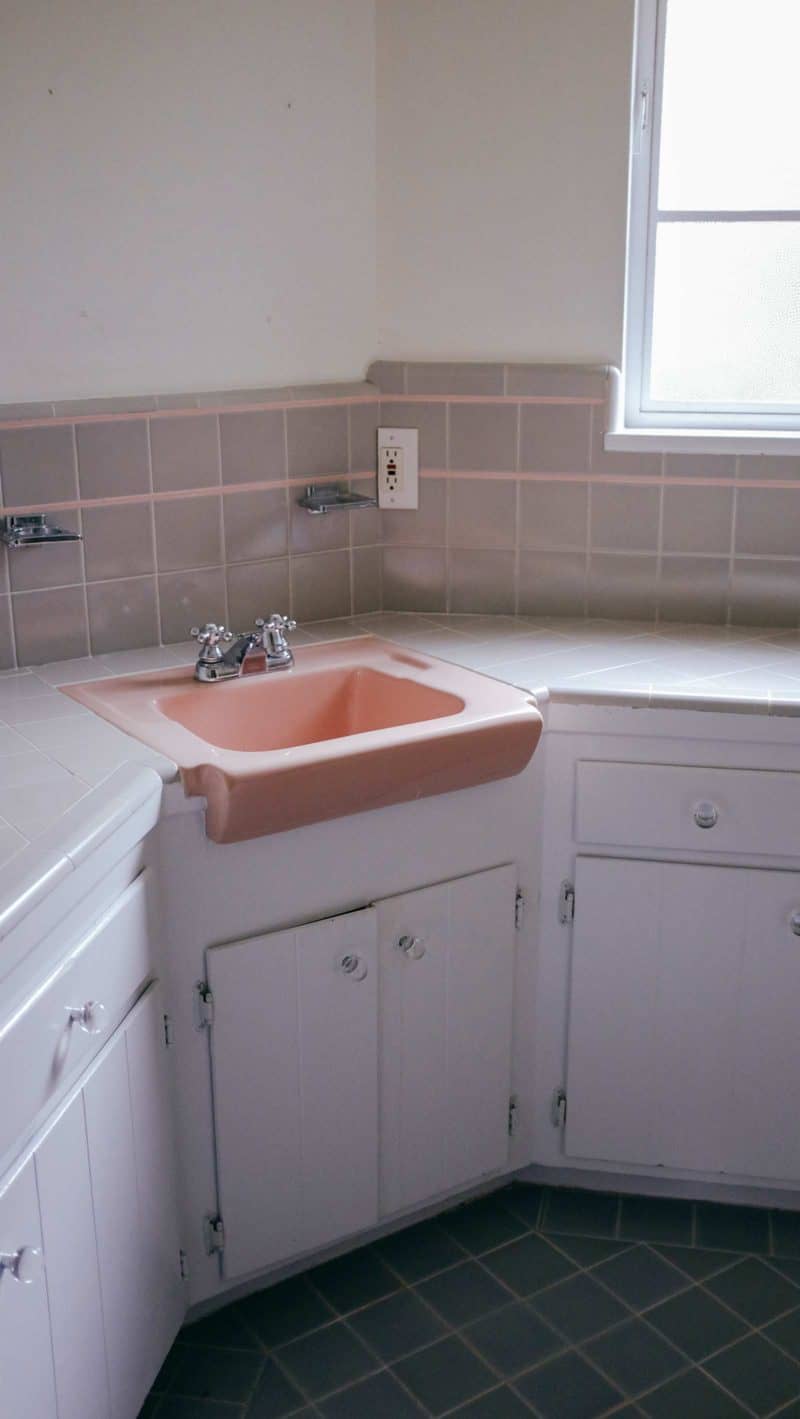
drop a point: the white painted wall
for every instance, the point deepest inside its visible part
(188, 194)
(502, 163)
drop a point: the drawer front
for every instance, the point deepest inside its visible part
(42, 1047)
(688, 808)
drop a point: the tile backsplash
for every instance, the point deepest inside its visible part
(188, 509)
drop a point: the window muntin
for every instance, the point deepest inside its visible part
(713, 320)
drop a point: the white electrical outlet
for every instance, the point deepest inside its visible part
(398, 468)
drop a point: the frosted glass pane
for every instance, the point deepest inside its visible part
(726, 313)
(731, 106)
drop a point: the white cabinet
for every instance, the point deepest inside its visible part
(26, 1360)
(294, 1047)
(86, 1338)
(447, 972)
(339, 1058)
(683, 1046)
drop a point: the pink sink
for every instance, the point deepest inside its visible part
(354, 725)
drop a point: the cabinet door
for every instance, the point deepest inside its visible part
(681, 1028)
(295, 1078)
(446, 1026)
(26, 1360)
(128, 1130)
(73, 1281)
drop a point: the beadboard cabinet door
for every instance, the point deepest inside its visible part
(27, 1381)
(294, 1050)
(682, 1019)
(447, 975)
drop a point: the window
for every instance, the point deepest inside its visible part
(713, 296)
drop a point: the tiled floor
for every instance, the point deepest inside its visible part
(553, 1302)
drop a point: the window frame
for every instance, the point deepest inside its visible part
(642, 413)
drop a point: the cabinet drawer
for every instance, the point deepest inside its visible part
(41, 1046)
(688, 808)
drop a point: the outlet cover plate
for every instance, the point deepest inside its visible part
(398, 468)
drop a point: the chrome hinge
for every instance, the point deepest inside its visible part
(203, 1005)
(513, 1115)
(183, 1265)
(168, 1031)
(213, 1235)
(566, 903)
(558, 1108)
(519, 910)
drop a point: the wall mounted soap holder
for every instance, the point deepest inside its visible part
(33, 529)
(331, 498)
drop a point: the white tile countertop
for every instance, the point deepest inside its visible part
(53, 752)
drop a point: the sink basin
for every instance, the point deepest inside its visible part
(354, 725)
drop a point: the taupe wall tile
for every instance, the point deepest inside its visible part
(442, 378)
(697, 520)
(118, 542)
(185, 453)
(112, 459)
(317, 440)
(50, 625)
(257, 589)
(367, 580)
(624, 517)
(564, 380)
(554, 515)
(431, 421)
(60, 564)
(483, 437)
(694, 589)
(423, 526)
(414, 579)
(363, 437)
(122, 614)
(622, 586)
(554, 438)
(38, 466)
(388, 375)
(7, 658)
(481, 581)
(642, 465)
(188, 533)
(366, 525)
(481, 514)
(698, 465)
(308, 533)
(765, 593)
(190, 599)
(255, 525)
(321, 586)
(253, 446)
(777, 466)
(552, 583)
(768, 521)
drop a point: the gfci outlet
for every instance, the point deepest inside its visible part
(398, 468)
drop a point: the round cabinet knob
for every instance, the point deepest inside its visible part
(353, 966)
(706, 815)
(23, 1265)
(794, 922)
(412, 947)
(89, 1017)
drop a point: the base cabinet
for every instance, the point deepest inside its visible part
(683, 1017)
(86, 1337)
(360, 1065)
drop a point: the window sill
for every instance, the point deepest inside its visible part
(743, 441)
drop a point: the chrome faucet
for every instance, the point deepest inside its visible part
(268, 639)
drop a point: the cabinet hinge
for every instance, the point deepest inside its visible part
(213, 1235)
(566, 903)
(168, 1032)
(183, 1265)
(203, 1005)
(513, 1115)
(519, 910)
(558, 1108)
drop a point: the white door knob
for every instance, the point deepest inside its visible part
(706, 815)
(794, 922)
(23, 1265)
(89, 1017)
(353, 966)
(412, 947)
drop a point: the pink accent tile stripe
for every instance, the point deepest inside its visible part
(172, 496)
(580, 399)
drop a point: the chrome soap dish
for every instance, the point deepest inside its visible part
(32, 529)
(330, 498)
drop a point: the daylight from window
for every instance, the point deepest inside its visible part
(725, 315)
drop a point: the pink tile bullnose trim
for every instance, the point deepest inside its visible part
(52, 421)
(354, 725)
